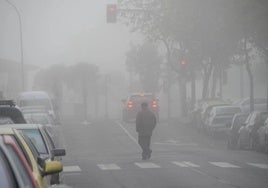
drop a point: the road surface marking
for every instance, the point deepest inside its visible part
(176, 144)
(70, 169)
(180, 164)
(129, 135)
(109, 167)
(147, 165)
(224, 165)
(190, 164)
(263, 166)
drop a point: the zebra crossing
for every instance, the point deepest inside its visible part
(183, 164)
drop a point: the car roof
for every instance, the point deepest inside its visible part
(23, 126)
(14, 113)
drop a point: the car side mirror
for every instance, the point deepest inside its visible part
(52, 167)
(58, 152)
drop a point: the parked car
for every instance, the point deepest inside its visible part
(36, 98)
(247, 131)
(259, 104)
(40, 137)
(37, 115)
(233, 134)
(205, 110)
(9, 113)
(40, 167)
(219, 117)
(132, 105)
(14, 168)
(262, 142)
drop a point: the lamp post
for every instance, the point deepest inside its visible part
(21, 44)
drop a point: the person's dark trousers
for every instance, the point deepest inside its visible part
(144, 142)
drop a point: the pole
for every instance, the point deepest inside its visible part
(241, 81)
(106, 96)
(21, 44)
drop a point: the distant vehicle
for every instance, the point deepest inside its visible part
(133, 104)
(9, 113)
(44, 144)
(259, 104)
(14, 168)
(220, 117)
(236, 124)
(36, 98)
(245, 132)
(40, 167)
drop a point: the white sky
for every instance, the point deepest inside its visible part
(63, 31)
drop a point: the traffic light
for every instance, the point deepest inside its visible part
(183, 62)
(111, 13)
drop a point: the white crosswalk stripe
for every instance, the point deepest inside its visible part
(147, 165)
(224, 165)
(71, 169)
(190, 164)
(259, 165)
(180, 164)
(185, 164)
(108, 167)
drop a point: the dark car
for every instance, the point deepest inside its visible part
(133, 104)
(233, 134)
(9, 113)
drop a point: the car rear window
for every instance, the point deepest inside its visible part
(141, 97)
(228, 110)
(37, 139)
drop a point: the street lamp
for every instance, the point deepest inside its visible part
(21, 43)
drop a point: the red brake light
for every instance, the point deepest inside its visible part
(130, 104)
(154, 104)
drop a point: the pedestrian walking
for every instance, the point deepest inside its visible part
(145, 124)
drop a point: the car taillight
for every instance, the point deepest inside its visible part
(130, 104)
(154, 105)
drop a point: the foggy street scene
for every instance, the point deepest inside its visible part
(133, 94)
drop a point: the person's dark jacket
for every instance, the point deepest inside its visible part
(145, 122)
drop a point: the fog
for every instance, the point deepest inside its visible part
(63, 31)
(135, 93)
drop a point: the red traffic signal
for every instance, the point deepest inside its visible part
(183, 62)
(111, 13)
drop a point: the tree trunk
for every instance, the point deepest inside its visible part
(182, 86)
(206, 81)
(267, 83)
(193, 89)
(214, 83)
(250, 75)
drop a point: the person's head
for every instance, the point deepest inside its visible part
(144, 105)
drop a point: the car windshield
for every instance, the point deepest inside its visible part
(37, 118)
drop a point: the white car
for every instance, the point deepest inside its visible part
(220, 118)
(259, 104)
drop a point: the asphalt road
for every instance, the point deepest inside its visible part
(105, 154)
